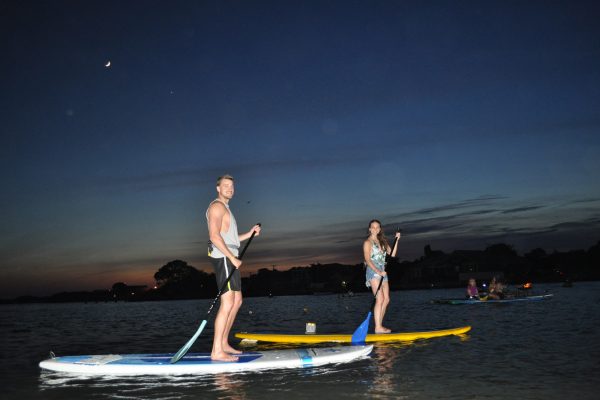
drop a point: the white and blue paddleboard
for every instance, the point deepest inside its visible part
(200, 363)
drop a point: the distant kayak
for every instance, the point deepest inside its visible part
(200, 363)
(347, 338)
(491, 301)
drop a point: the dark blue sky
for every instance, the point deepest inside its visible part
(465, 123)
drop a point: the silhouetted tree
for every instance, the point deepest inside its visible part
(119, 289)
(173, 272)
(501, 250)
(536, 254)
(177, 279)
(119, 286)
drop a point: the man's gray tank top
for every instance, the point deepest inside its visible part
(231, 237)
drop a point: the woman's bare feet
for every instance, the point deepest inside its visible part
(223, 357)
(382, 330)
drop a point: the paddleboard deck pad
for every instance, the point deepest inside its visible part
(347, 338)
(200, 363)
(492, 301)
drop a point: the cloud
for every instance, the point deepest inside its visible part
(468, 203)
(521, 209)
(473, 222)
(585, 200)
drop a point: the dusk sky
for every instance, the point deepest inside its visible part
(465, 123)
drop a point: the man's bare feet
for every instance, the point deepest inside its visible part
(223, 357)
(228, 349)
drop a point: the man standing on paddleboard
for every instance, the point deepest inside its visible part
(223, 245)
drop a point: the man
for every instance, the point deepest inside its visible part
(223, 252)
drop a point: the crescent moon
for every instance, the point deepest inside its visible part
(107, 64)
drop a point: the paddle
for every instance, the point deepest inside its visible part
(360, 334)
(182, 351)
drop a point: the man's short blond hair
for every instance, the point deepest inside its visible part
(226, 176)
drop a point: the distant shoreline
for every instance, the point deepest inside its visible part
(50, 300)
(435, 269)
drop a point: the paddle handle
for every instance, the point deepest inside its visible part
(387, 256)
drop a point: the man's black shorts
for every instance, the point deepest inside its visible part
(223, 268)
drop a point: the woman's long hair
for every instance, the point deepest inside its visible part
(380, 236)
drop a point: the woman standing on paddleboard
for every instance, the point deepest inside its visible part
(375, 249)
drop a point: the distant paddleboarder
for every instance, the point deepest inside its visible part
(223, 246)
(375, 248)
(472, 291)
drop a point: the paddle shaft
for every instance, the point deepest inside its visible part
(231, 274)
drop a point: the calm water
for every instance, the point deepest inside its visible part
(537, 350)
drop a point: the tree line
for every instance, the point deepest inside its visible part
(178, 280)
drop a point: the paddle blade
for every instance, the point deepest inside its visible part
(182, 351)
(360, 334)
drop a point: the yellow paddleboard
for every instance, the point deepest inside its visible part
(341, 338)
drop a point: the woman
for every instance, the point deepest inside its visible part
(375, 249)
(472, 291)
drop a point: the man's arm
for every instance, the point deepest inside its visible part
(255, 228)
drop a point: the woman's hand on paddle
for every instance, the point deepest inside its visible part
(394, 249)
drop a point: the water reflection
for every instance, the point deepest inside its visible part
(464, 337)
(133, 387)
(385, 383)
(228, 387)
(49, 380)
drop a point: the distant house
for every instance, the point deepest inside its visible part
(475, 264)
